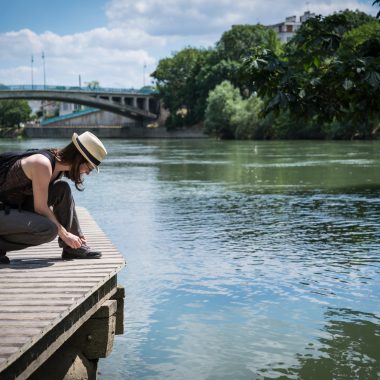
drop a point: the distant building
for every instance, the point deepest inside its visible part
(53, 108)
(306, 16)
(68, 108)
(287, 29)
(49, 108)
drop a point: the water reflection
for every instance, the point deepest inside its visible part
(349, 350)
(244, 258)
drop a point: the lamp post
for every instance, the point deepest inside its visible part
(31, 71)
(144, 67)
(43, 62)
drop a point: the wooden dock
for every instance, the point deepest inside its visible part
(45, 301)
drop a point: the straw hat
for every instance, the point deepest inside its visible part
(90, 147)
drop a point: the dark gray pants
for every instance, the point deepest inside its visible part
(19, 230)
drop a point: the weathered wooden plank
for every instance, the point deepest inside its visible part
(31, 309)
(23, 260)
(57, 288)
(46, 291)
(7, 316)
(59, 272)
(50, 279)
(47, 259)
(48, 288)
(13, 341)
(62, 296)
(8, 350)
(51, 257)
(54, 248)
(28, 265)
(19, 332)
(58, 268)
(55, 252)
(34, 302)
(26, 323)
(80, 273)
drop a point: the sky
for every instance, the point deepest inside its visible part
(120, 42)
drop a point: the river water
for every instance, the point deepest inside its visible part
(246, 260)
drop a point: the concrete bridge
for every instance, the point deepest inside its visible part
(135, 104)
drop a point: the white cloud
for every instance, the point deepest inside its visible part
(112, 56)
(114, 39)
(184, 17)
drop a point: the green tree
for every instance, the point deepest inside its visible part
(315, 82)
(175, 80)
(221, 107)
(357, 36)
(213, 72)
(246, 120)
(225, 61)
(93, 85)
(13, 112)
(236, 42)
(230, 116)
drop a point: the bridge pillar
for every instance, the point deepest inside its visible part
(146, 104)
(134, 101)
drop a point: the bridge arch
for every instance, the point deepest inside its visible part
(132, 105)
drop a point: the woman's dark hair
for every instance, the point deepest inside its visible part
(71, 155)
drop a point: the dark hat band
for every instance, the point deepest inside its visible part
(88, 154)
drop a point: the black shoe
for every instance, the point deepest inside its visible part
(3, 258)
(84, 252)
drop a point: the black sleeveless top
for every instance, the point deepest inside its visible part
(15, 186)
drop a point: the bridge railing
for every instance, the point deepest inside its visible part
(37, 87)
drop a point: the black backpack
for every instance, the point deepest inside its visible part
(7, 160)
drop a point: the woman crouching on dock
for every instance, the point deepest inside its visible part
(36, 204)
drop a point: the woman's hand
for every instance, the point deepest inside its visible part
(72, 240)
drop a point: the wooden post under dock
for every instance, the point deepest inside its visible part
(57, 318)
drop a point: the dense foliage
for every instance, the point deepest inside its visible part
(176, 82)
(329, 74)
(228, 115)
(324, 83)
(13, 112)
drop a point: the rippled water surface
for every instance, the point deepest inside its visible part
(246, 260)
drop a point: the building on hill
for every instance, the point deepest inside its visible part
(287, 29)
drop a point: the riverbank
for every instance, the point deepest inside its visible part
(132, 132)
(9, 133)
